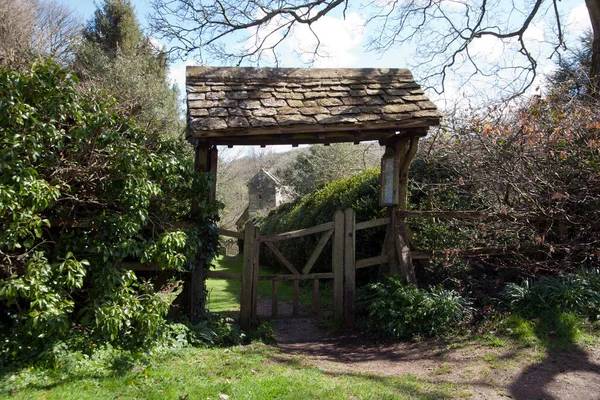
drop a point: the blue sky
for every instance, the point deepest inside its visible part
(345, 40)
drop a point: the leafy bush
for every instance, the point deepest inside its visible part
(82, 189)
(359, 192)
(399, 311)
(577, 293)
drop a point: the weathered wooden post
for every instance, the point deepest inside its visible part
(205, 160)
(349, 267)
(249, 296)
(394, 195)
(337, 263)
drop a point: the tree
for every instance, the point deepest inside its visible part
(116, 56)
(446, 32)
(82, 189)
(320, 165)
(30, 28)
(574, 69)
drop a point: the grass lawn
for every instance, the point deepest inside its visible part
(251, 372)
(224, 295)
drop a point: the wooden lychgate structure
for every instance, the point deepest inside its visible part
(268, 106)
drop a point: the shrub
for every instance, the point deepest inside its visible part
(399, 311)
(83, 188)
(359, 192)
(577, 293)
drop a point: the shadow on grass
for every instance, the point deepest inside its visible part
(402, 385)
(559, 334)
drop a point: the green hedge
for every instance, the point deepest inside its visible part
(360, 192)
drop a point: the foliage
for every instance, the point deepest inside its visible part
(117, 57)
(37, 28)
(114, 27)
(577, 293)
(83, 188)
(400, 311)
(320, 165)
(359, 192)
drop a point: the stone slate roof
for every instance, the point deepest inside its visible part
(229, 102)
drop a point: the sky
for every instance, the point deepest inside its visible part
(344, 40)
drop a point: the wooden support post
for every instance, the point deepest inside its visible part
(337, 263)
(407, 269)
(205, 160)
(349, 267)
(315, 297)
(246, 299)
(255, 267)
(274, 300)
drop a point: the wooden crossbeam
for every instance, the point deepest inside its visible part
(313, 257)
(282, 258)
(291, 277)
(298, 233)
(372, 224)
(368, 262)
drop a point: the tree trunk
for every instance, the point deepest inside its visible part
(593, 7)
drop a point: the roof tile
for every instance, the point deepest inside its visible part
(226, 99)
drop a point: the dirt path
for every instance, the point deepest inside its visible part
(485, 371)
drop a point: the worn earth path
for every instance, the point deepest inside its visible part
(483, 370)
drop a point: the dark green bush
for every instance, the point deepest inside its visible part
(400, 311)
(360, 192)
(82, 189)
(577, 293)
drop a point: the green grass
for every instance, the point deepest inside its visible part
(251, 372)
(224, 295)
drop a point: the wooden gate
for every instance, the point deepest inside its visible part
(342, 232)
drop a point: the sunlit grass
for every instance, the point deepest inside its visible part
(251, 372)
(224, 295)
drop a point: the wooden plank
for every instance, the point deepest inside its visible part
(338, 266)
(349, 267)
(322, 275)
(282, 258)
(247, 278)
(295, 302)
(255, 273)
(368, 262)
(317, 252)
(298, 233)
(274, 299)
(389, 246)
(223, 275)
(213, 160)
(442, 214)
(372, 224)
(315, 297)
(228, 233)
(246, 135)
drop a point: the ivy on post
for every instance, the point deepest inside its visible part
(205, 161)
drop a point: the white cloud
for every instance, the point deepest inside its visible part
(578, 20)
(339, 41)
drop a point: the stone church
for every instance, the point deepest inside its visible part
(265, 192)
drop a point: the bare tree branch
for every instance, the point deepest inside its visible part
(450, 37)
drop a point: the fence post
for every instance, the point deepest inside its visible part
(256, 245)
(349, 267)
(246, 298)
(337, 263)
